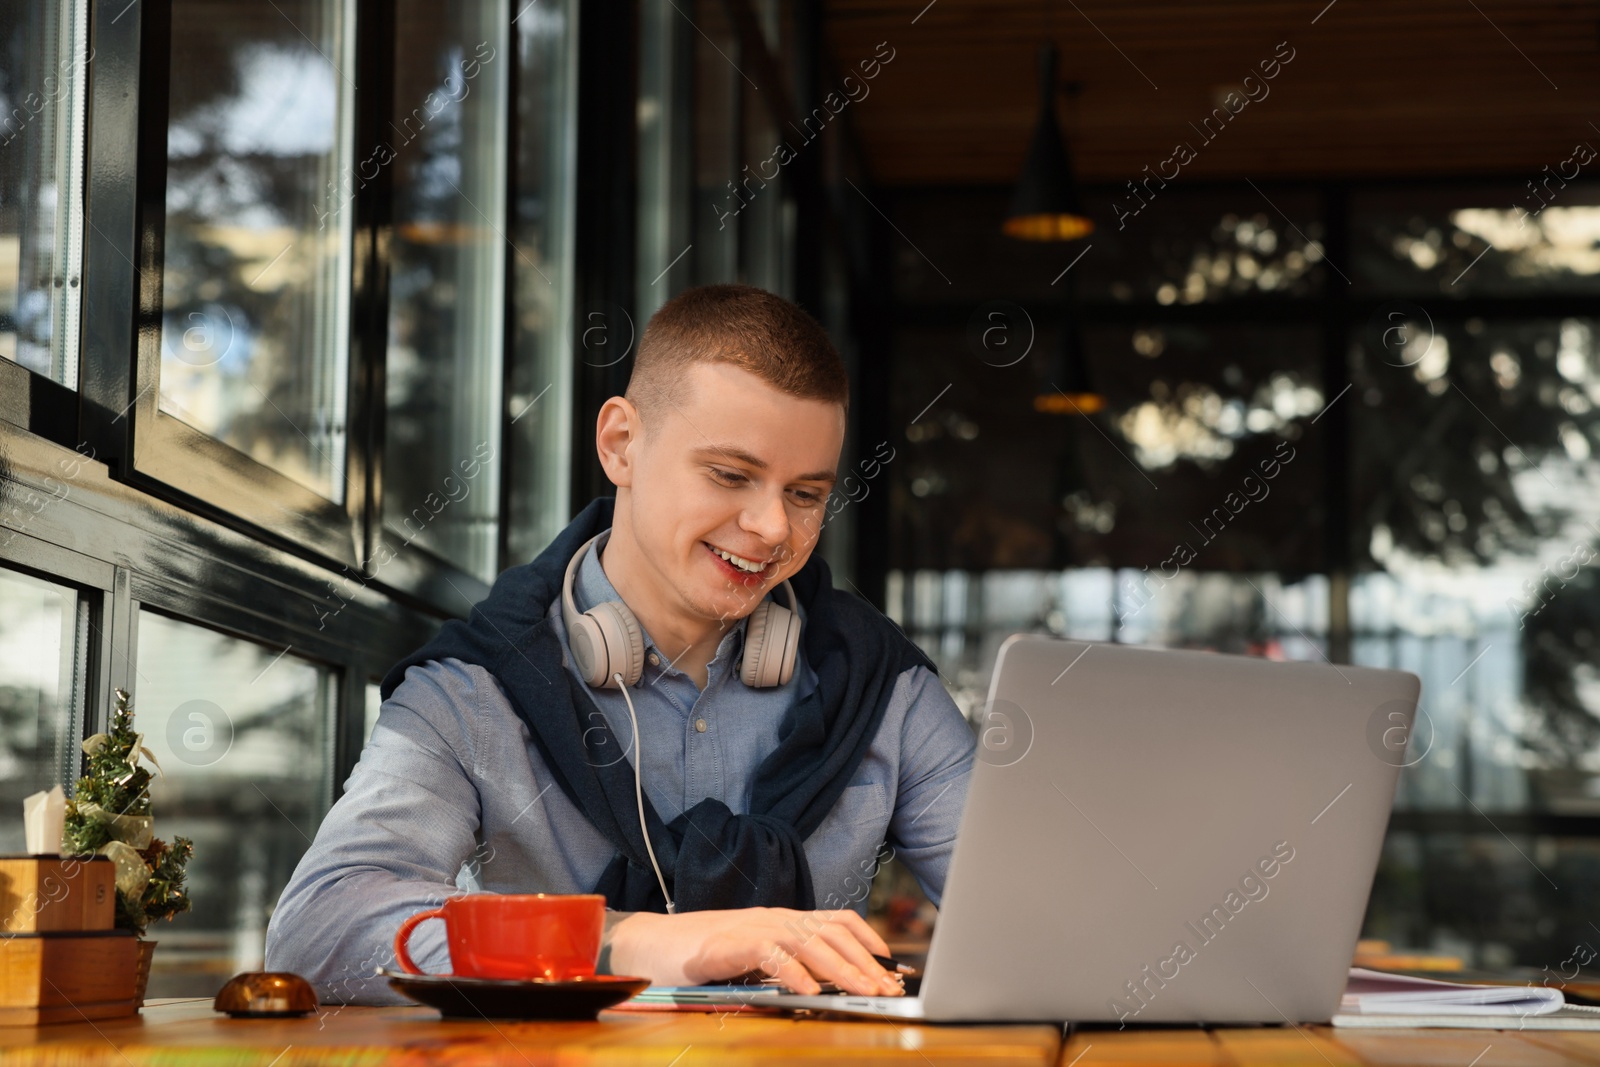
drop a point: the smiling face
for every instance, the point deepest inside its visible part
(731, 467)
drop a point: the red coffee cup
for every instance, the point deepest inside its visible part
(515, 935)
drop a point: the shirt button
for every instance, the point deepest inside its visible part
(700, 726)
(654, 660)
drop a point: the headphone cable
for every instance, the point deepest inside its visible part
(638, 795)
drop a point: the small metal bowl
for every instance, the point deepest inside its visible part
(266, 995)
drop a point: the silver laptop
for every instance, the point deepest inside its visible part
(1161, 836)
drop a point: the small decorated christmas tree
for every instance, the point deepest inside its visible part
(109, 814)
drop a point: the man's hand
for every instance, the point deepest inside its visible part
(800, 948)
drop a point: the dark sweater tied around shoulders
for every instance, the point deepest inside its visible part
(710, 856)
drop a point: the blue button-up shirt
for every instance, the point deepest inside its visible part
(450, 794)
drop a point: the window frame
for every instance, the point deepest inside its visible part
(95, 583)
(339, 717)
(29, 400)
(167, 454)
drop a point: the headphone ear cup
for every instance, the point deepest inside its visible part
(755, 641)
(790, 645)
(771, 645)
(589, 650)
(624, 642)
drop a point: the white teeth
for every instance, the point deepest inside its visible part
(748, 566)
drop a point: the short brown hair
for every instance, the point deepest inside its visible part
(747, 327)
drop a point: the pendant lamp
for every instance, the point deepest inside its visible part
(1045, 206)
(1069, 390)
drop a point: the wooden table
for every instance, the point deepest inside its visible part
(188, 1034)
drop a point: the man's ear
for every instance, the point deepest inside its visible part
(618, 433)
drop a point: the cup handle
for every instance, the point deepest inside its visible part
(404, 934)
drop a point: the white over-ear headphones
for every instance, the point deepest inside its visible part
(607, 641)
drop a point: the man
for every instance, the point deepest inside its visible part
(769, 802)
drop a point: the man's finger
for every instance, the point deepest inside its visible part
(825, 962)
(862, 930)
(846, 943)
(768, 957)
(779, 962)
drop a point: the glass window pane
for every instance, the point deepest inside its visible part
(244, 737)
(1454, 631)
(1472, 460)
(1476, 522)
(717, 200)
(447, 279)
(43, 68)
(255, 280)
(1201, 456)
(1185, 246)
(369, 713)
(767, 236)
(1495, 901)
(960, 618)
(1199, 247)
(1490, 241)
(41, 693)
(665, 112)
(539, 405)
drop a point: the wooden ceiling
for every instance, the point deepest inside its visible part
(1375, 87)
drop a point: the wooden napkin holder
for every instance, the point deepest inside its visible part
(40, 894)
(60, 959)
(68, 976)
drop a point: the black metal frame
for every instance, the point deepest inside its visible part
(110, 243)
(33, 402)
(508, 320)
(369, 340)
(605, 210)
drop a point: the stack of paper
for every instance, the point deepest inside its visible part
(1373, 999)
(1373, 992)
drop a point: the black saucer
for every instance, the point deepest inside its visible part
(497, 998)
